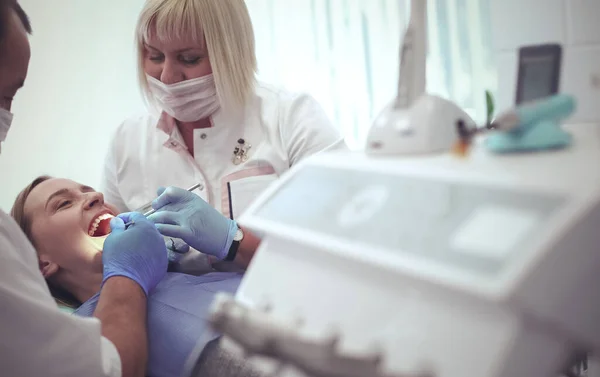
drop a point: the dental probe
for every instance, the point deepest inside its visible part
(150, 212)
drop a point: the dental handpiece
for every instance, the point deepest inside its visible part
(147, 212)
(520, 119)
(555, 107)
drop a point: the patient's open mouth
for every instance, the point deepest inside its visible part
(100, 226)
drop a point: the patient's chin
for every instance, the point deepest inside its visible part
(98, 242)
(98, 266)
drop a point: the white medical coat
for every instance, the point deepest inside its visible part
(148, 151)
(36, 338)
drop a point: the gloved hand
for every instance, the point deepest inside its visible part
(182, 214)
(138, 252)
(176, 249)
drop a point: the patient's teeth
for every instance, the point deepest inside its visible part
(97, 221)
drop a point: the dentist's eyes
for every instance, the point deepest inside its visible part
(190, 60)
(187, 59)
(156, 58)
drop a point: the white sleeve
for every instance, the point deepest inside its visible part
(307, 130)
(36, 338)
(109, 180)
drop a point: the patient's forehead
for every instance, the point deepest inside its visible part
(36, 201)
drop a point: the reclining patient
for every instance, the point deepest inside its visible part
(67, 224)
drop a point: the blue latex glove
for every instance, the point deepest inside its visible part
(176, 249)
(138, 252)
(182, 214)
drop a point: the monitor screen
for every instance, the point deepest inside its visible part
(539, 72)
(538, 77)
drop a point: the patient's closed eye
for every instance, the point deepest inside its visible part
(63, 204)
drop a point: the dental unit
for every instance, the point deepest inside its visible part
(412, 261)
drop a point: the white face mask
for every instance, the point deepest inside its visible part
(186, 101)
(6, 118)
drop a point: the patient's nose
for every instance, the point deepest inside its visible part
(94, 199)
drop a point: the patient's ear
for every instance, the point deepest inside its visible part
(47, 268)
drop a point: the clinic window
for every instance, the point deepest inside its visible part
(345, 53)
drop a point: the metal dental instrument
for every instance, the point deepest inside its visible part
(147, 212)
(257, 333)
(177, 246)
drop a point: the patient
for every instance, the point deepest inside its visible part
(67, 223)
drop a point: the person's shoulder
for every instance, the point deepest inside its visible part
(137, 123)
(129, 136)
(14, 244)
(8, 227)
(135, 127)
(270, 93)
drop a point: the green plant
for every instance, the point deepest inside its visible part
(489, 101)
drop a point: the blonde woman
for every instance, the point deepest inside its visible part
(211, 123)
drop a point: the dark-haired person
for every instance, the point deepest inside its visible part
(36, 338)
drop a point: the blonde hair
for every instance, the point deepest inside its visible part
(222, 26)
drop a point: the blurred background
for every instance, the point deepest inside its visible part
(82, 81)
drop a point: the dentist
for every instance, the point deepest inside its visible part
(214, 124)
(36, 338)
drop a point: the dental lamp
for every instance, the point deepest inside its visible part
(414, 121)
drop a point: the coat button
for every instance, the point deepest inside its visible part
(203, 136)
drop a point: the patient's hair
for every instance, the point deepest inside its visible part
(6, 8)
(223, 27)
(61, 296)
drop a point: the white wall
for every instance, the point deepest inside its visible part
(81, 85)
(574, 24)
